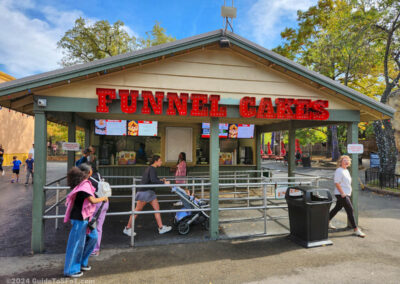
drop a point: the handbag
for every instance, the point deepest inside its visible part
(93, 223)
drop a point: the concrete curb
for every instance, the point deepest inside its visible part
(382, 191)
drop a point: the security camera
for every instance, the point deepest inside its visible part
(224, 42)
(42, 102)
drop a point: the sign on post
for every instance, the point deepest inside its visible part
(70, 146)
(355, 148)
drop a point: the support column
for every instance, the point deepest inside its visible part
(38, 201)
(71, 138)
(291, 151)
(258, 147)
(214, 178)
(87, 137)
(352, 138)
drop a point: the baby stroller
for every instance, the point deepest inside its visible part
(183, 220)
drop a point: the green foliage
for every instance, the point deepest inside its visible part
(87, 41)
(308, 136)
(156, 36)
(59, 133)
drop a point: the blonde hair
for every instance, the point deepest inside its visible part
(339, 162)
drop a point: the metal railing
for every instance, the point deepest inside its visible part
(258, 185)
(375, 178)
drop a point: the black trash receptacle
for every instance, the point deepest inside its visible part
(309, 215)
(306, 161)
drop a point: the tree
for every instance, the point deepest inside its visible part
(334, 38)
(86, 42)
(388, 27)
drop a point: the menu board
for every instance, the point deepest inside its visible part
(245, 131)
(147, 128)
(223, 130)
(125, 127)
(110, 127)
(233, 131)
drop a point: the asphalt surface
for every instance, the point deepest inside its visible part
(350, 259)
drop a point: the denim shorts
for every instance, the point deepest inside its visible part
(146, 196)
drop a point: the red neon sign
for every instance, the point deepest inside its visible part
(205, 105)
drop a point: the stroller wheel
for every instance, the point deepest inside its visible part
(206, 224)
(183, 228)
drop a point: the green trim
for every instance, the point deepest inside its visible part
(214, 178)
(39, 197)
(291, 150)
(258, 147)
(71, 138)
(352, 138)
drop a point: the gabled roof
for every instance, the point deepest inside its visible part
(62, 76)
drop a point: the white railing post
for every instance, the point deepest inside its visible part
(248, 190)
(265, 207)
(133, 214)
(202, 188)
(57, 199)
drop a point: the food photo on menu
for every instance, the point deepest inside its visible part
(101, 126)
(233, 131)
(133, 128)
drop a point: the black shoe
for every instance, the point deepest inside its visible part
(76, 275)
(86, 268)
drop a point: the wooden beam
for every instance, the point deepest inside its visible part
(20, 102)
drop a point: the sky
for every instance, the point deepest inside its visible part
(30, 29)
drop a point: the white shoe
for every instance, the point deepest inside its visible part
(128, 232)
(164, 229)
(359, 233)
(330, 226)
(179, 203)
(86, 268)
(76, 275)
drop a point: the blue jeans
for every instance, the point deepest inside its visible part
(79, 247)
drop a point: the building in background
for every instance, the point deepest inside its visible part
(16, 130)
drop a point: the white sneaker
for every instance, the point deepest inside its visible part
(330, 226)
(128, 232)
(179, 203)
(76, 275)
(359, 233)
(164, 229)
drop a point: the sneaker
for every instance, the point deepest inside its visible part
(179, 203)
(26, 183)
(128, 232)
(359, 233)
(164, 229)
(76, 275)
(330, 226)
(95, 253)
(12, 181)
(86, 268)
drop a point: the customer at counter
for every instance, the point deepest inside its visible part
(147, 195)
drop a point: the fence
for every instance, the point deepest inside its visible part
(375, 178)
(238, 192)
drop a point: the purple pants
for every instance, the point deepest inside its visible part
(100, 222)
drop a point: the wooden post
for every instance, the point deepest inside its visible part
(71, 138)
(214, 178)
(291, 151)
(352, 138)
(38, 203)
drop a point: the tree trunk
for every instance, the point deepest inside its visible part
(386, 143)
(335, 144)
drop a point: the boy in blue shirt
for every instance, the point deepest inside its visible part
(29, 168)
(16, 166)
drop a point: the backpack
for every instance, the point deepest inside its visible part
(103, 187)
(80, 161)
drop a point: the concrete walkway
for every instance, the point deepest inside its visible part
(374, 259)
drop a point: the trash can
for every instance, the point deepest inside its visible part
(306, 161)
(309, 215)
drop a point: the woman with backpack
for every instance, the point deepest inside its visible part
(96, 180)
(81, 205)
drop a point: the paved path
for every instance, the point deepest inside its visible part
(374, 259)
